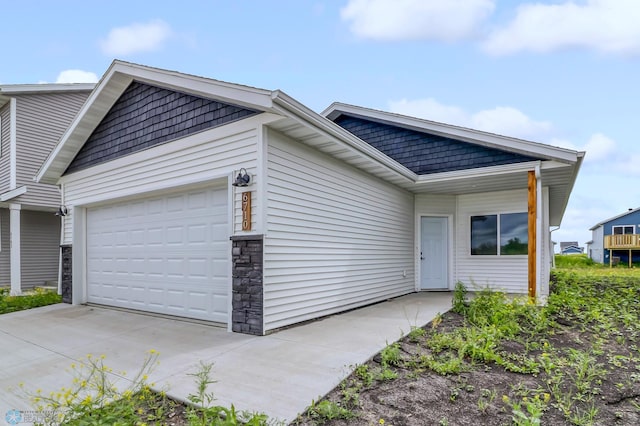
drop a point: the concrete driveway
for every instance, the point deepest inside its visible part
(277, 374)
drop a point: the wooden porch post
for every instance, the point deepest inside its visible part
(532, 222)
(610, 258)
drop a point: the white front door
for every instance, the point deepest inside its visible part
(434, 253)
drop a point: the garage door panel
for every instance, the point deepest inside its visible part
(161, 254)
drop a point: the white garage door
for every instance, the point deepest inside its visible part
(166, 254)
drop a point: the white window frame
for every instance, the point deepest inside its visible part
(613, 229)
(499, 226)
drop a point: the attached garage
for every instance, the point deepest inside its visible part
(204, 199)
(166, 254)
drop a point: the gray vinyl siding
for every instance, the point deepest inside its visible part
(597, 247)
(4, 148)
(5, 254)
(40, 233)
(337, 238)
(41, 120)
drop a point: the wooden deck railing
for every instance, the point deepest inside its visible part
(628, 241)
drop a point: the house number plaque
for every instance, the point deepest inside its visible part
(246, 211)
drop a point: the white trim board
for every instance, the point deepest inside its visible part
(13, 142)
(13, 193)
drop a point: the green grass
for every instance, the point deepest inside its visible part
(575, 261)
(35, 299)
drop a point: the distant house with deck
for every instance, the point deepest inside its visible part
(617, 238)
(33, 117)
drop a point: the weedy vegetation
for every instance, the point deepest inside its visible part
(495, 359)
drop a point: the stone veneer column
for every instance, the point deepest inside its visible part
(65, 285)
(247, 302)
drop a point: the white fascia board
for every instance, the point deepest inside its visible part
(296, 110)
(229, 92)
(477, 137)
(570, 184)
(17, 89)
(91, 113)
(13, 194)
(478, 172)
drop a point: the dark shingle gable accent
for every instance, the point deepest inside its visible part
(425, 153)
(145, 116)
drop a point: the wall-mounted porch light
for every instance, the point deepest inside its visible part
(62, 211)
(243, 179)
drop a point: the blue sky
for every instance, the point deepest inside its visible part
(559, 72)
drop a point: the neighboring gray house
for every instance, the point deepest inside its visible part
(198, 198)
(32, 119)
(619, 234)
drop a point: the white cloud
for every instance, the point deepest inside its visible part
(430, 109)
(76, 76)
(604, 25)
(509, 121)
(392, 20)
(599, 148)
(137, 37)
(501, 120)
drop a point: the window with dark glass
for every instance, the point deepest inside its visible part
(500, 234)
(484, 234)
(623, 229)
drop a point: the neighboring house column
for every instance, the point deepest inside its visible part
(14, 238)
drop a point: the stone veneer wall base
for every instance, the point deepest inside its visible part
(247, 292)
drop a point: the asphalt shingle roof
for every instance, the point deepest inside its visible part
(425, 153)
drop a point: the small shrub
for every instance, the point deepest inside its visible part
(390, 355)
(328, 410)
(35, 299)
(416, 334)
(459, 298)
(364, 374)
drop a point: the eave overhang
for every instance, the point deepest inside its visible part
(558, 166)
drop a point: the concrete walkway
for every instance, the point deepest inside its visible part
(277, 374)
